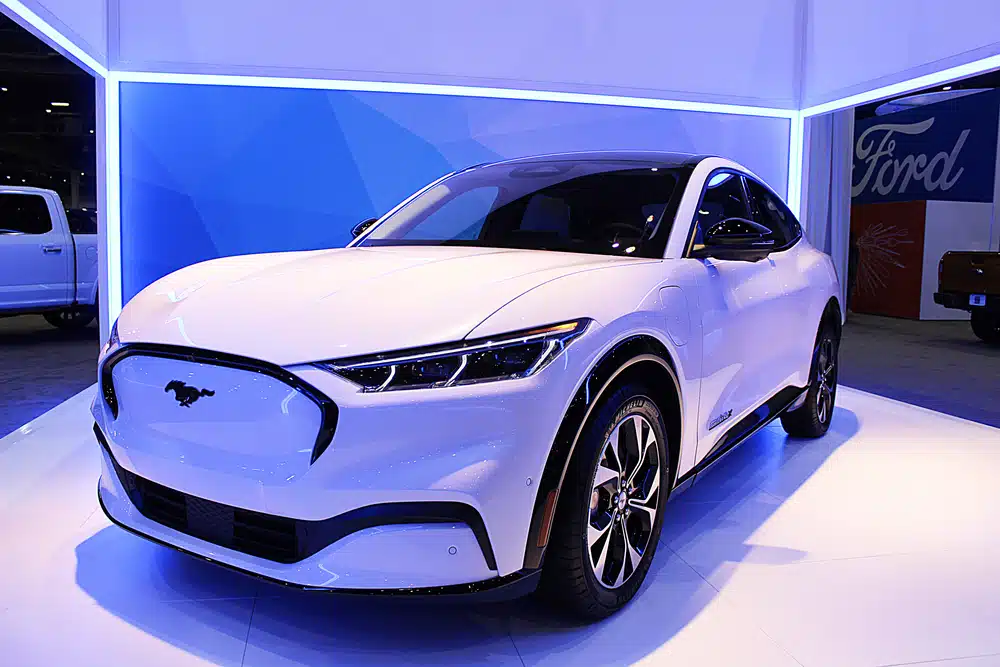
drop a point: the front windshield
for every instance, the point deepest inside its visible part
(595, 206)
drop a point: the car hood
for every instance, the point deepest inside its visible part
(290, 308)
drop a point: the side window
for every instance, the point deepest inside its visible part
(724, 198)
(24, 214)
(771, 212)
(81, 222)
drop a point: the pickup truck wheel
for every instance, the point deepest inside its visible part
(70, 319)
(986, 326)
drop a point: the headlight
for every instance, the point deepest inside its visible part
(515, 355)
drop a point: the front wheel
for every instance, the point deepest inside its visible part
(70, 319)
(812, 419)
(609, 516)
(986, 326)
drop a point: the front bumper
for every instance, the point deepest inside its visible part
(306, 576)
(444, 482)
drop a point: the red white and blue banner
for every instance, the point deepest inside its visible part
(939, 152)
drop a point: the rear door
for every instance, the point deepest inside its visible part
(740, 302)
(35, 258)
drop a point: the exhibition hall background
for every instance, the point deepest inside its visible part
(206, 170)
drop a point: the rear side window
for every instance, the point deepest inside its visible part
(771, 212)
(723, 198)
(81, 222)
(24, 214)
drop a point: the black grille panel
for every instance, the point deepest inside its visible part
(253, 533)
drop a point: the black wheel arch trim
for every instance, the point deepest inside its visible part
(328, 409)
(832, 313)
(625, 354)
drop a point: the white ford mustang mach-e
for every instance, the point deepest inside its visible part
(495, 387)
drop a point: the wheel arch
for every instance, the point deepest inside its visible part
(833, 316)
(640, 358)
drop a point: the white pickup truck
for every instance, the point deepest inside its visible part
(48, 261)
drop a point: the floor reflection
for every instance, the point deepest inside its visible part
(294, 627)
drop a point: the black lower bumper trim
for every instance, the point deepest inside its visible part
(509, 587)
(276, 538)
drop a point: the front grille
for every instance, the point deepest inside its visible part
(262, 535)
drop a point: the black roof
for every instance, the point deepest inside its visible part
(659, 158)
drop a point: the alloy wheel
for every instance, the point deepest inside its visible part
(624, 501)
(826, 379)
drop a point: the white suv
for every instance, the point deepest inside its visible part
(496, 385)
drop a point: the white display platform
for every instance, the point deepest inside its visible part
(878, 544)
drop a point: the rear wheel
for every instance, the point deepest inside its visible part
(986, 326)
(813, 417)
(70, 319)
(610, 513)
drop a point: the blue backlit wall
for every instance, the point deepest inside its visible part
(208, 171)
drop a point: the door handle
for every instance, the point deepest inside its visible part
(51, 249)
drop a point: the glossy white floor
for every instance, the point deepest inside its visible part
(876, 545)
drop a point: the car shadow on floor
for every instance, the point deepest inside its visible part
(137, 581)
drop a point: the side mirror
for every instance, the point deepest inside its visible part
(737, 239)
(363, 226)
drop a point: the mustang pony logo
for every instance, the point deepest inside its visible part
(186, 395)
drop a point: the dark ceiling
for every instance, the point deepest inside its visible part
(40, 144)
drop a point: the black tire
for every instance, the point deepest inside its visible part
(70, 319)
(812, 419)
(986, 326)
(569, 576)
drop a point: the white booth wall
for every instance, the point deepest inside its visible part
(721, 51)
(857, 45)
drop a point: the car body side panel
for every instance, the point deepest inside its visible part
(759, 318)
(808, 283)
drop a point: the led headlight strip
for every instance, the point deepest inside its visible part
(516, 355)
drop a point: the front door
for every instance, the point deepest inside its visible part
(35, 262)
(740, 303)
